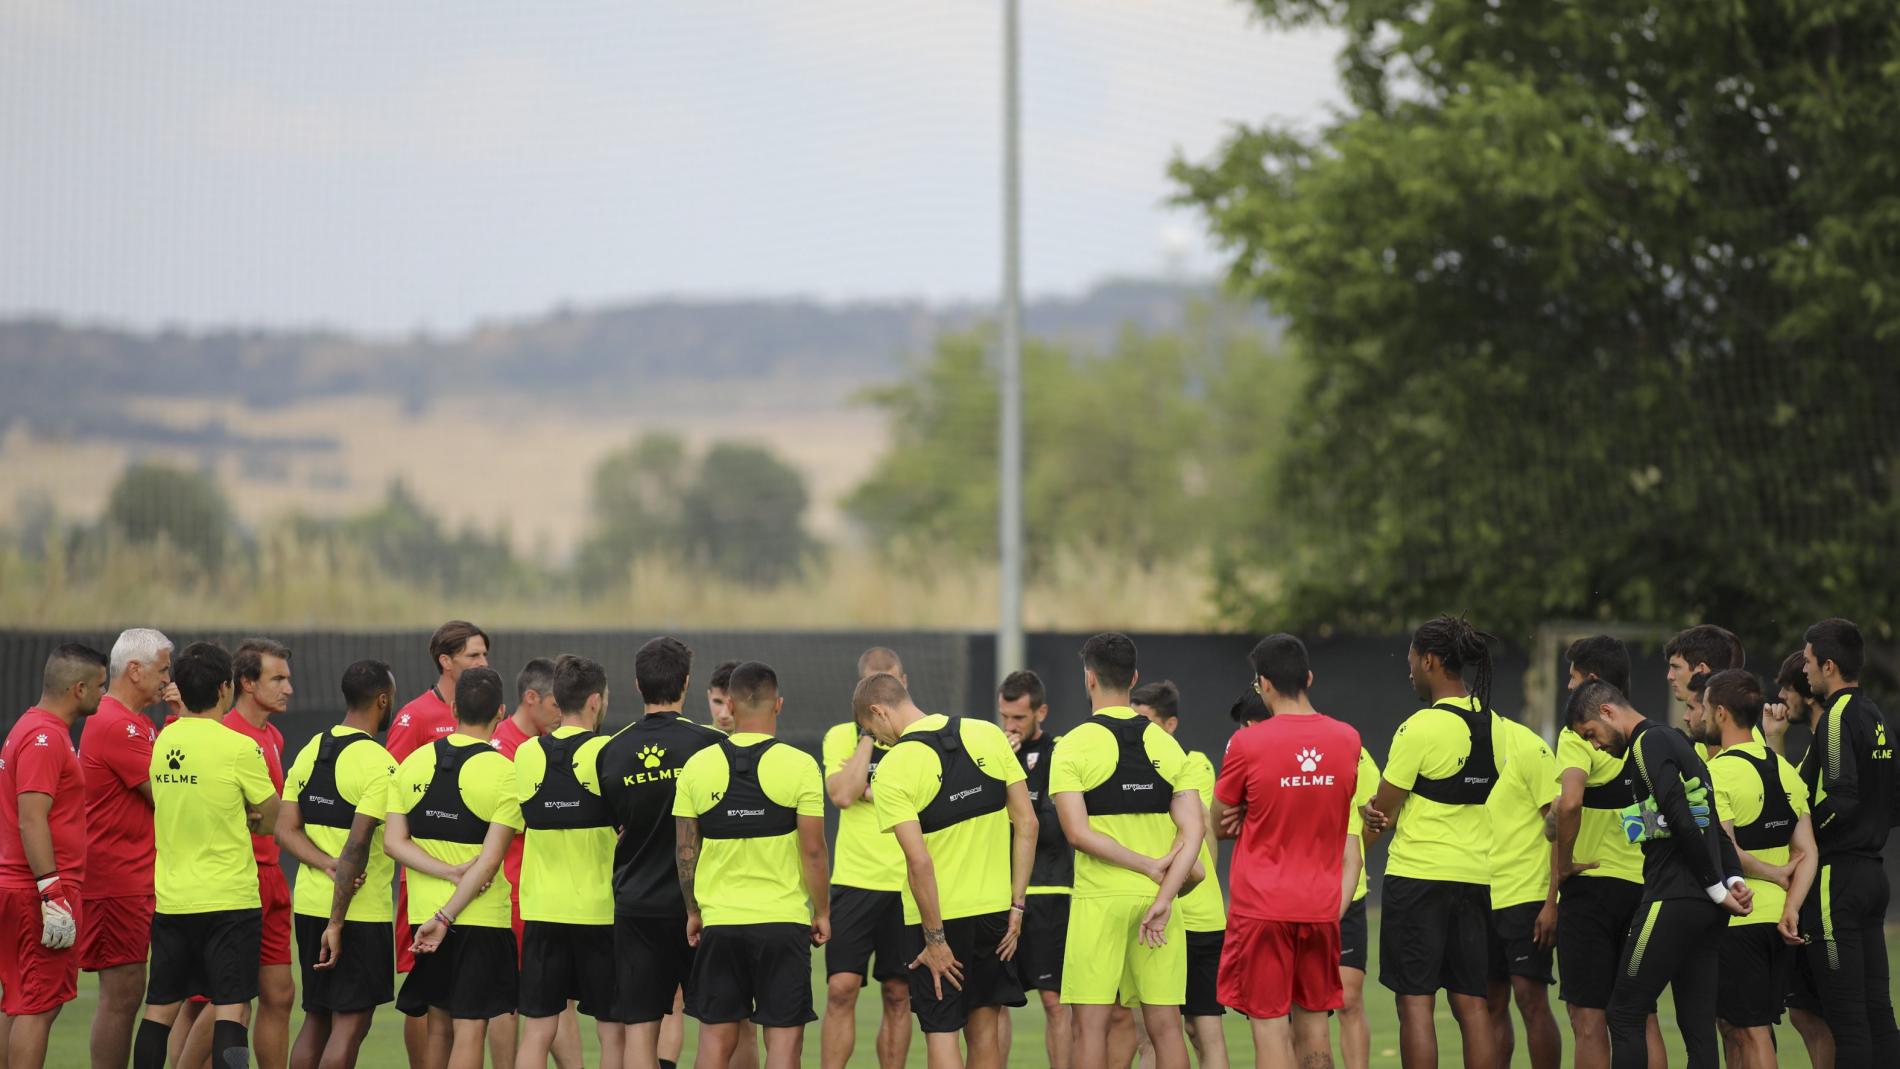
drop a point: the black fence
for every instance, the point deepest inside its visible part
(1360, 679)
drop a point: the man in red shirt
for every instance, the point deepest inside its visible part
(454, 648)
(43, 854)
(115, 760)
(1294, 773)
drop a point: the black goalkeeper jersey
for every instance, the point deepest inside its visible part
(639, 768)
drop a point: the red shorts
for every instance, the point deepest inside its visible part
(1267, 967)
(116, 931)
(405, 958)
(33, 979)
(274, 891)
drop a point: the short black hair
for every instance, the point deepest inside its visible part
(1022, 683)
(1794, 676)
(364, 682)
(1602, 656)
(478, 696)
(1588, 700)
(1163, 697)
(199, 670)
(69, 664)
(577, 679)
(1282, 661)
(538, 676)
(660, 670)
(1249, 708)
(753, 683)
(1707, 644)
(248, 662)
(721, 676)
(1839, 641)
(1111, 656)
(1700, 681)
(1737, 691)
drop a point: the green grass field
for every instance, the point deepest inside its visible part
(384, 1050)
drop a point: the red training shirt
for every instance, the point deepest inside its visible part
(270, 742)
(509, 737)
(115, 756)
(1295, 775)
(38, 758)
(418, 724)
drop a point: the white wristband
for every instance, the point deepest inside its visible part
(1716, 892)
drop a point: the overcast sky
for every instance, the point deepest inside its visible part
(430, 163)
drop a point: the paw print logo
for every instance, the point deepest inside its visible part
(650, 755)
(1309, 759)
(174, 758)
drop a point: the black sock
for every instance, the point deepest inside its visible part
(665, 1064)
(148, 1046)
(230, 1046)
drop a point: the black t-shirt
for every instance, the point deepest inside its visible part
(1851, 776)
(1691, 856)
(1055, 858)
(639, 769)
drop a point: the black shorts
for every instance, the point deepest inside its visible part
(1352, 936)
(756, 971)
(1039, 949)
(652, 963)
(364, 976)
(866, 922)
(211, 954)
(1803, 993)
(1752, 988)
(473, 975)
(1203, 974)
(567, 961)
(1513, 945)
(987, 979)
(1593, 918)
(1434, 934)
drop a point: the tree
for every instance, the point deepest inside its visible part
(1131, 455)
(738, 510)
(744, 515)
(1599, 305)
(151, 502)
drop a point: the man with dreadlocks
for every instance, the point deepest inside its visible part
(1440, 770)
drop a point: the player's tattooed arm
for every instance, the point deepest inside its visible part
(351, 862)
(935, 937)
(686, 858)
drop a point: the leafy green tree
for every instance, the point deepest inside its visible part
(1137, 454)
(1599, 305)
(744, 515)
(738, 510)
(155, 501)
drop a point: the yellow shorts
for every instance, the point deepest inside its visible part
(1104, 961)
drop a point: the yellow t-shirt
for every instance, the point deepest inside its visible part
(752, 881)
(1362, 792)
(204, 775)
(1435, 841)
(864, 857)
(364, 775)
(487, 785)
(567, 874)
(1739, 796)
(972, 858)
(1084, 759)
(1204, 909)
(1600, 835)
(1520, 855)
